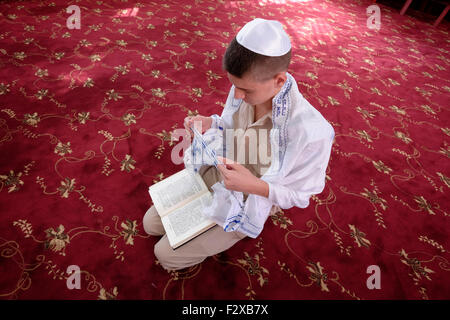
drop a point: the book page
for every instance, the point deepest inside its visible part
(186, 222)
(175, 191)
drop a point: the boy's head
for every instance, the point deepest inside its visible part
(257, 59)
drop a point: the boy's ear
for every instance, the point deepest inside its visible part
(281, 78)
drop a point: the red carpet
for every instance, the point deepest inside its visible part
(85, 123)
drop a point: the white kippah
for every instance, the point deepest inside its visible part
(266, 37)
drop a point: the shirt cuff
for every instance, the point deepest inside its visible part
(272, 196)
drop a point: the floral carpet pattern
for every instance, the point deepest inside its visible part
(86, 122)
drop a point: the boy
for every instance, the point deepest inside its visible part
(296, 139)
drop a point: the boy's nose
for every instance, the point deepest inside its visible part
(239, 94)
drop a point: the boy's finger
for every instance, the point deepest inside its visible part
(186, 131)
(222, 169)
(219, 167)
(228, 162)
(188, 120)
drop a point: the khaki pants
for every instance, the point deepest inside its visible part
(209, 243)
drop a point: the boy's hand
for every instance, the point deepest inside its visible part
(201, 123)
(238, 178)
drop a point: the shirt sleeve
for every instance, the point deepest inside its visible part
(307, 177)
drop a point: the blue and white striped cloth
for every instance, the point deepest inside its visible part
(201, 149)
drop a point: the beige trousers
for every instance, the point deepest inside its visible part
(209, 243)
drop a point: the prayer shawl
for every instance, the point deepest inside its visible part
(301, 141)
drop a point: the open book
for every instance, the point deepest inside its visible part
(179, 200)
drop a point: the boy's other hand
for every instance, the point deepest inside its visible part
(238, 178)
(201, 123)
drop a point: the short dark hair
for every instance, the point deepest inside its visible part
(238, 60)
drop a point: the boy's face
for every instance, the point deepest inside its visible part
(255, 92)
